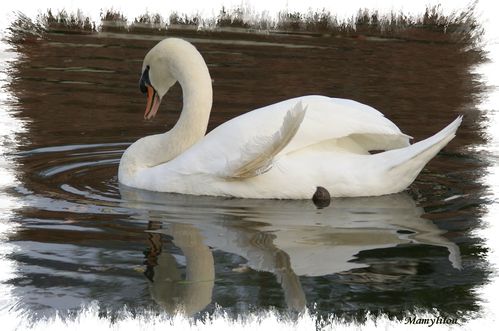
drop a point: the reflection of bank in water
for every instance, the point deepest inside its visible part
(287, 238)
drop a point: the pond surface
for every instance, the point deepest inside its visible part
(80, 237)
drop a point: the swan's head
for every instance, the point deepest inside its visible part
(170, 60)
(157, 75)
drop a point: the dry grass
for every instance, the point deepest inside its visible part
(64, 22)
(432, 25)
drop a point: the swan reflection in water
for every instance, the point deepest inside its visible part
(289, 238)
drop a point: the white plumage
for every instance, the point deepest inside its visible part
(284, 150)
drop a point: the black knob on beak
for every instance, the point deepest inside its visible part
(144, 80)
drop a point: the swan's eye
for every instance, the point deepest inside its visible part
(144, 80)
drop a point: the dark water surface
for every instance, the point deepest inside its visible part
(81, 237)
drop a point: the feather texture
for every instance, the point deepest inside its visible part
(256, 156)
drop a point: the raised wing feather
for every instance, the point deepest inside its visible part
(257, 155)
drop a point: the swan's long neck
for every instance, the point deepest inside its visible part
(192, 74)
(186, 66)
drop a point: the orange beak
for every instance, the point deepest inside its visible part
(153, 102)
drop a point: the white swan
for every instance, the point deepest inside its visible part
(285, 150)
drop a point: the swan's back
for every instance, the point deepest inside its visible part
(356, 127)
(330, 148)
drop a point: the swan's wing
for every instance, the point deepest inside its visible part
(246, 145)
(361, 126)
(257, 155)
(358, 127)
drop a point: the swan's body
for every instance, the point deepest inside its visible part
(284, 150)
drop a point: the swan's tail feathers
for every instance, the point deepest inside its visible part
(257, 156)
(409, 161)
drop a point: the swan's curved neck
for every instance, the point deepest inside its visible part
(187, 66)
(194, 77)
